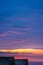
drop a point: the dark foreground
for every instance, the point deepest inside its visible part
(12, 61)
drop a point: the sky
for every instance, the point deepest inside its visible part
(21, 24)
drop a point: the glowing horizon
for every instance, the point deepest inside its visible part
(33, 55)
(39, 51)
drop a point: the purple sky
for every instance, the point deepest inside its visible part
(21, 24)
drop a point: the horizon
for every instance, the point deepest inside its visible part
(33, 55)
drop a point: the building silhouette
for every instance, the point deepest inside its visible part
(12, 61)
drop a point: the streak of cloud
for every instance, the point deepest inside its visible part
(13, 32)
(22, 28)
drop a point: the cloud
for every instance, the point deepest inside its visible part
(13, 32)
(22, 29)
(12, 43)
(4, 34)
(39, 51)
(18, 33)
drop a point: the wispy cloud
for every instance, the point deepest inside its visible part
(13, 32)
(13, 43)
(4, 34)
(18, 33)
(22, 29)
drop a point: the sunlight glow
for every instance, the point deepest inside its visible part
(34, 51)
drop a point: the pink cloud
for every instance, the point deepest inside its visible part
(18, 33)
(13, 32)
(4, 34)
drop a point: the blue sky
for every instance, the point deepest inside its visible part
(21, 24)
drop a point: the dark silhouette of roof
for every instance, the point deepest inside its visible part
(7, 60)
(21, 62)
(12, 61)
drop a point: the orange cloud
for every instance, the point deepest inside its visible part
(33, 55)
(34, 51)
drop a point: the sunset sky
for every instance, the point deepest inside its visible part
(33, 55)
(21, 27)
